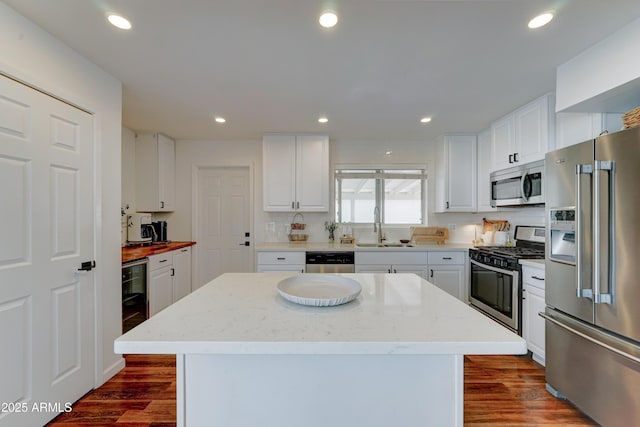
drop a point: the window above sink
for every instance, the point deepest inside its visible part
(399, 194)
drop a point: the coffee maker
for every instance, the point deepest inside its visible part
(139, 228)
(160, 231)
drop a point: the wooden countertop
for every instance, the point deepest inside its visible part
(131, 253)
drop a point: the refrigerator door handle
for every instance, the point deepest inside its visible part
(598, 297)
(588, 338)
(580, 170)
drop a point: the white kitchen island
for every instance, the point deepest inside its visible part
(246, 357)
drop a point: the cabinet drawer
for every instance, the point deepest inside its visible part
(446, 257)
(160, 260)
(292, 257)
(533, 276)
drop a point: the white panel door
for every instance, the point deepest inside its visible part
(46, 232)
(223, 220)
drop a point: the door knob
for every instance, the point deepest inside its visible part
(244, 244)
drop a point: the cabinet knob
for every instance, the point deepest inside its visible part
(431, 273)
(510, 158)
(515, 158)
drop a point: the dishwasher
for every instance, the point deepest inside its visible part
(330, 262)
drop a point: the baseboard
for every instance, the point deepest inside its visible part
(112, 370)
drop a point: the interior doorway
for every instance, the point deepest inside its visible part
(222, 222)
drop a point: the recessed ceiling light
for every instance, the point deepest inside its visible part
(328, 19)
(119, 21)
(425, 120)
(220, 119)
(541, 20)
(388, 153)
(323, 120)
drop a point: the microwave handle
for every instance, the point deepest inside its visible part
(523, 191)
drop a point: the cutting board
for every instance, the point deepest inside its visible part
(494, 225)
(427, 235)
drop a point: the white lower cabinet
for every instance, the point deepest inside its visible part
(449, 278)
(533, 303)
(391, 262)
(418, 269)
(447, 270)
(281, 261)
(182, 277)
(160, 282)
(169, 278)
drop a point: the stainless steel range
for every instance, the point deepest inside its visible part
(496, 283)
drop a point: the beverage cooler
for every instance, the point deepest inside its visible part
(135, 303)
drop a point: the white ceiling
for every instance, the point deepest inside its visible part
(267, 66)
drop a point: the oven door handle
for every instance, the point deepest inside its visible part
(492, 268)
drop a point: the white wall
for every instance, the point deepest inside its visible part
(32, 55)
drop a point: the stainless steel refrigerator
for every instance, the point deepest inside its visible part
(593, 276)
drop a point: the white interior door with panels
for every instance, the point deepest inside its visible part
(223, 222)
(47, 232)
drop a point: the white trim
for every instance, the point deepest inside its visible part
(388, 166)
(113, 369)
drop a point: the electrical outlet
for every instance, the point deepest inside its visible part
(451, 227)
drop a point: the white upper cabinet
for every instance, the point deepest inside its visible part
(484, 169)
(456, 173)
(295, 173)
(525, 135)
(573, 128)
(155, 173)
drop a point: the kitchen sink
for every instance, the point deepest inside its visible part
(383, 245)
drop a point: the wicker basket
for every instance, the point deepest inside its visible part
(298, 237)
(631, 118)
(296, 227)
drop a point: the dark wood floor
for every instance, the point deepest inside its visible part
(499, 391)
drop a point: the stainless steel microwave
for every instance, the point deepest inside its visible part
(519, 185)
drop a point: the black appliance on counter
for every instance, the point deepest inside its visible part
(330, 262)
(135, 301)
(496, 276)
(160, 231)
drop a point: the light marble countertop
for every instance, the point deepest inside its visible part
(242, 313)
(538, 263)
(311, 246)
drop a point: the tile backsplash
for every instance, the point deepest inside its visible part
(463, 227)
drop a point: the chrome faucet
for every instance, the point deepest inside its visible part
(377, 224)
